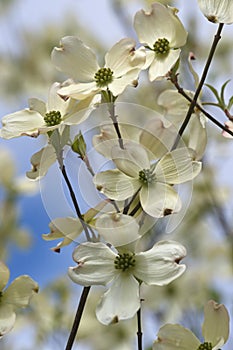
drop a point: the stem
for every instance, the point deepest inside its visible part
(139, 332)
(77, 319)
(75, 202)
(113, 116)
(217, 37)
(209, 116)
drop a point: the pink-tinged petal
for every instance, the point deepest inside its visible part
(229, 126)
(116, 185)
(131, 159)
(20, 291)
(95, 264)
(75, 59)
(175, 337)
(161, 65)
(79, 91)
(177, 166)
(121, 301)
(41, 162)
(25, 122)
(159, 199)
(161, 22)
(117, 229)
(217, 11)
(118, 85)
(123, 57)
(160, 265)
(7, 319)
(215, 328)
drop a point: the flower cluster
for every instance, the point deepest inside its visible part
(139, 181)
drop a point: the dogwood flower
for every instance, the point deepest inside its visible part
(153, 183)
(41, 117)
(217, 11)
(122, 66)
(163, 34)
(215, 330)
(99, 265)
(17, 295)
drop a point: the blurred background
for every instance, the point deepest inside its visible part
(29, 31)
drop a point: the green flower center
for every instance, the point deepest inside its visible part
(52, 118)
(146, 176)
(124, 261)
(103, 77)
(205, 346)
(161, 46)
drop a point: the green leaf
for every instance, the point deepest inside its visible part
(215, 92)
(223, 91)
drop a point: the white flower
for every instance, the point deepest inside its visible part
(17, 295)
(99, 265)
(67, 228)
(215, 330)
(42, 117)
(122, 66)
(154, 183)
(217, 11)
(41, 162)
(163, 34)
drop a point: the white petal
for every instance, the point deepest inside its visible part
(79, 91)
(116, 185)
(25, 122)
(123, 57)
(56, 102)
(216, 323)
(177, 167)
(160, 265)
(7, 319)
(217, 11)
(37, 105)
(175, 337)
(117, 229)
(161, 65)
(119, 84)
(95, 264)
(159, 200)
(41, 162)
(68, 228)
(160, 23)
(20, 291)
(4, 275)
(197, 136)
(75, 59)
(131, 159)
(157, 138)
(175, 105)
(120, 302)
(82, 110)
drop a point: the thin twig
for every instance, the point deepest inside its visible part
(77, 319)
(217, 37)
(139, 331)
(208, 115)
